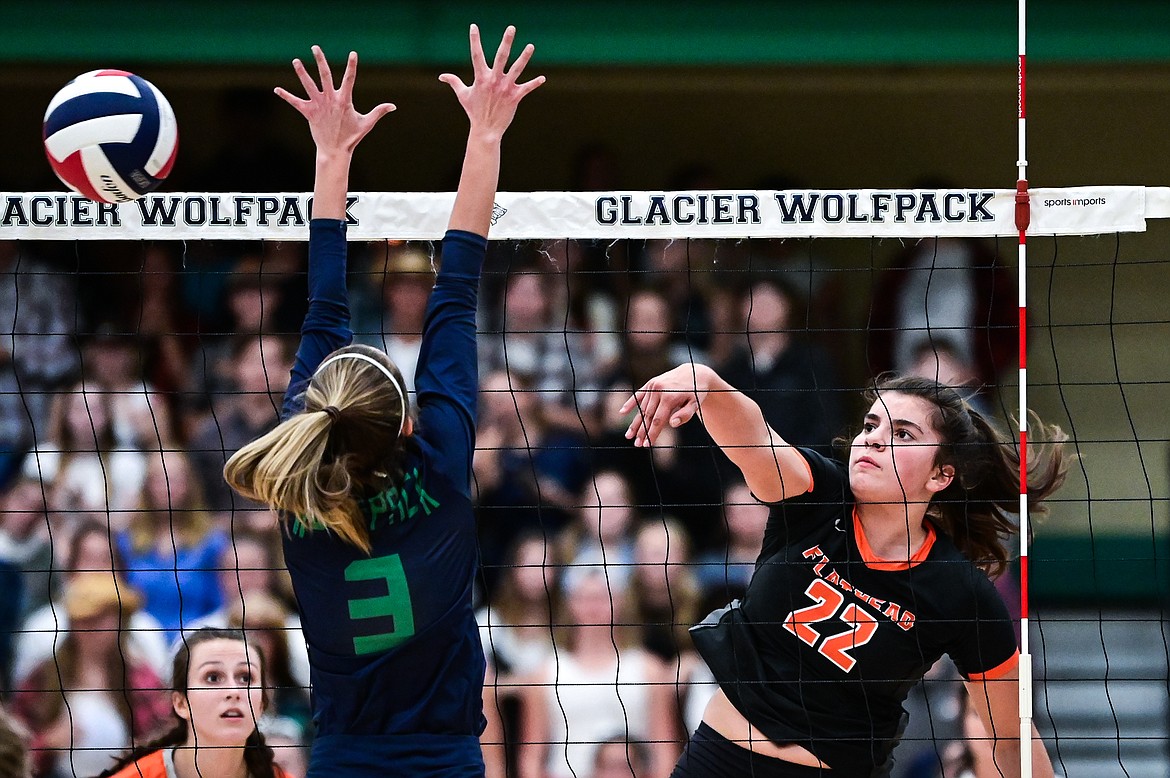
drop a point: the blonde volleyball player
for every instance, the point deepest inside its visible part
(375, 494)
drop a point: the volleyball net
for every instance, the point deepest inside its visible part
(149, 340)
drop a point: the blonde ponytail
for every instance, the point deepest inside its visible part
(315, 463)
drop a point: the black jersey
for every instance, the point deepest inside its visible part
(825, 646)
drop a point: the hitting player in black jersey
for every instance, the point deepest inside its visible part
(868, 574)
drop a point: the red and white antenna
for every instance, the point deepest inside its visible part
(1023, 216)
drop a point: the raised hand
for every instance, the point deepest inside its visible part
(490, 103)
(671, 399)
(335, 124)
(491, 99)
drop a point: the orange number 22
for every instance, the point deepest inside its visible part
(828, 601)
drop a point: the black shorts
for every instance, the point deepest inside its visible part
(710, 755)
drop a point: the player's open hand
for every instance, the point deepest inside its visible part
(495, 91)
(671, 399)
(335, 124)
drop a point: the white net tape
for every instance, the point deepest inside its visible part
(863, 213)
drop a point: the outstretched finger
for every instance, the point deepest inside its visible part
(478, 60)
(648, 412)
(453, 81)
(634, 404)
(520, 63)
(685, 413)
(380, 110)
(291, 99)
(348, 77)
(629, 405)
(323, 70)
(368, 120)
(662, 415)
(530, 86)
(305, 79)
(636, 401)
(377, 112)
(504, 50)
(634, 431)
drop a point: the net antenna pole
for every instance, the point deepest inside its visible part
(1023, 217)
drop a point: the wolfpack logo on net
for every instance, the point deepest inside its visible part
(213, 210)
(879, 207)
(806, 207)
(231, 210)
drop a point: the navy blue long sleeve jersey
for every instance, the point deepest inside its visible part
(396, 661)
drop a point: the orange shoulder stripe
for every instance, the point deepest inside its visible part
(999, 671)
(807, 467)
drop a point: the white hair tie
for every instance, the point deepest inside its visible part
(385, 371)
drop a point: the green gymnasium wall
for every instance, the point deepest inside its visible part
(591, 33)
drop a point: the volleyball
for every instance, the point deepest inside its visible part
(110, 136)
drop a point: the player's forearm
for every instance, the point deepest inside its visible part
(1041, 762)
(772, 468)
(328, 295)
(331, 183)
(492, 739)
(1007, 758)
(476, 196)
(663, 725)
(733, 419)
(534, 727)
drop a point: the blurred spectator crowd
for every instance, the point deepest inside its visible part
(127, 377)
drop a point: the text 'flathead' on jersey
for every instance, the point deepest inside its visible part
(891, 610)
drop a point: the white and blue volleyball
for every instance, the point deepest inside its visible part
(111, 136)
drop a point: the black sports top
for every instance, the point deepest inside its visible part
(829, 640)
